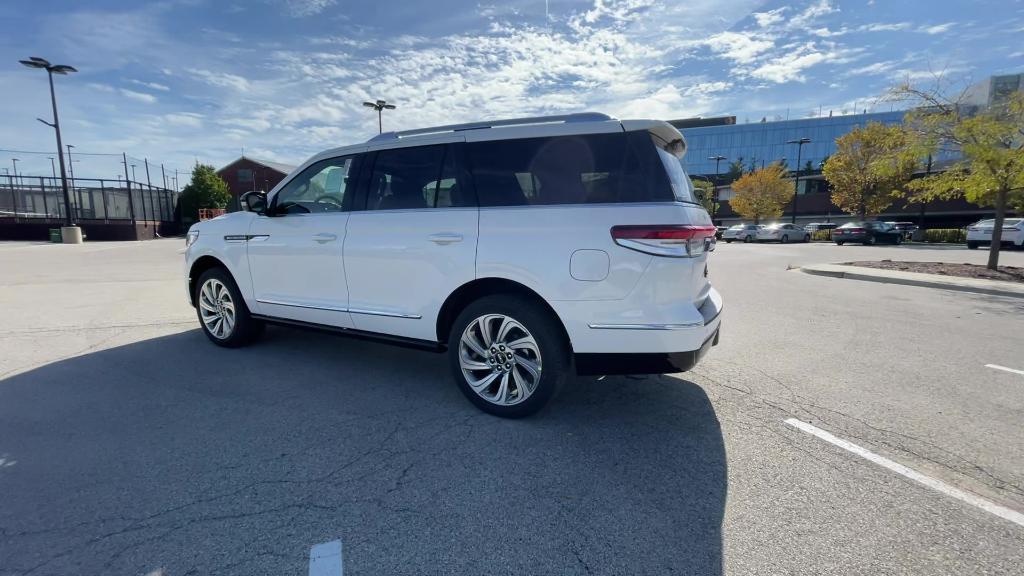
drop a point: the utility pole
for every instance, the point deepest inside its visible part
(714, 193)
(379, 106)
(71, 164)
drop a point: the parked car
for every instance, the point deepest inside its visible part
(783, 233)
(815, 226)
(719, 230)
(523, 248)
(867, 233)
(980, 233)
(907, 228)
(741, 232)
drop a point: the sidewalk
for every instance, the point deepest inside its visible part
(978, 286)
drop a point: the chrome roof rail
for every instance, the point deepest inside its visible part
(563, 118)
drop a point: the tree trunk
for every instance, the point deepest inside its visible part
(997, 229)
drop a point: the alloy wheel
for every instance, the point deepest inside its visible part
(217, 309)
(500, 359)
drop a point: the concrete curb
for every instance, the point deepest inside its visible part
(975, 285)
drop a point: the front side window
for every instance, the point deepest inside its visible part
(320, 188)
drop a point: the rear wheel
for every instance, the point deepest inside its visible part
(747, 239)
(508, 355)
(839, 242)
(899, 239)
(807, 238)
(222, 312)
(785, 239)
(728, 241)
(869, 240)
(972, 245)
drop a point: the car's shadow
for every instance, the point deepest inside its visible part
(171, 453)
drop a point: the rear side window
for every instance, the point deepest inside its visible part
(416, 177)
(581, 169)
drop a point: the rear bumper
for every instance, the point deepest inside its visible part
(643, 363)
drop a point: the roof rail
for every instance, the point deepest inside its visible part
(563, 118)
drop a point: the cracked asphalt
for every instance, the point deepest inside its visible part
(130, 445)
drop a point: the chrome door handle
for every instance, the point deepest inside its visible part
(325, 237)
(445, 238)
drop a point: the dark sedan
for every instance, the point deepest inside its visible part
(867, 233)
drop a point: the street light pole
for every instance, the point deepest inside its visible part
(379, 106)
(714, 193)
(14, 162)
(51, 69)
(53, 168)
(71, 164)
(796, 181)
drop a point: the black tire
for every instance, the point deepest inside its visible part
(869, 241)
(729, 241)
(807, 238)
(554, 349)
(839, 243)
(246, 329)
(785, 239)
(747, 239)
(972, 245)
(899, 240)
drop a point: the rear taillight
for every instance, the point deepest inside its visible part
(669, 240)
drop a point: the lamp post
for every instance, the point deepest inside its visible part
(53, 168)
(379, 106)
(714, 192)
(796, 182)
(14, 162)
(71, 164)
(62, 69)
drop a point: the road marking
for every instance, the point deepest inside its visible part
(1004, 368)
(325, 559)
(990, 507)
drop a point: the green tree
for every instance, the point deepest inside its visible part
(991, 143)
(735, 169)
(205, 190)
(870, 168)
(705, 192)
(761, 194)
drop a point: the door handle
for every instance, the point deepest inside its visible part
(325, 237)
(445, 238)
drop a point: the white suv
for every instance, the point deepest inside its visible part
(527, 249)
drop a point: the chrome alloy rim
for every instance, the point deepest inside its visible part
(500, 359)
(216, 309)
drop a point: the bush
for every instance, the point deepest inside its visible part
(821, 235)
(945, 235)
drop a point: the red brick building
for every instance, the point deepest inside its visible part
(247, 174)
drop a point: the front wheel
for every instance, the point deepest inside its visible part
(222, 312)
(785, 239)
(747, 239)
(972, 245)
(870, 240)
(839, 243)
(729, 241)
(508, 355)
(807, 238)
(899, 240)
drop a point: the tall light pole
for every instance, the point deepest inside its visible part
(133, 173)
(379, 106)
(14, 162)
(796, 182)
(53, 169)
(714, 193)
(51, 69)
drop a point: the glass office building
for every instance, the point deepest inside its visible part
(762, 143)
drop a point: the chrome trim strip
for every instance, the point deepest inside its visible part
(381, 313)
(687, 326)
(279, 303)
(337, 309)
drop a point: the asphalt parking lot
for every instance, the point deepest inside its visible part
(130, 445)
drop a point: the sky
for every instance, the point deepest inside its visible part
(178, 81)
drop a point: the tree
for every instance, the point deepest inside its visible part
(205, 190)
(735, 169)
(761, 194)
(705, 192)
(991, 145)
(870, 168)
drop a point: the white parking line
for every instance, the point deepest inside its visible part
(1004, 368)
(990, 507)
(325, 559)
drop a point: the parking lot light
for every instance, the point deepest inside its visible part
(796, 182)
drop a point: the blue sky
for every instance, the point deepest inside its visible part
(185, 79)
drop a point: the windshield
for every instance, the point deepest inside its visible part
(736, 227)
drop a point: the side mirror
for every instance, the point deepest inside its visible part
(255, 202)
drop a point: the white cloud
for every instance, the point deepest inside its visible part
(812, 13)
(766, 19)
(938, 28)
(740, 47)
(884, 27)
(220, 79)
(185, 119)
(790, 66)
(302, 8)
(138, 96)
(151, 85)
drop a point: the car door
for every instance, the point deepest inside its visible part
(414, 240)
(295, 252)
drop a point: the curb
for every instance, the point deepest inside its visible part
(973, 285)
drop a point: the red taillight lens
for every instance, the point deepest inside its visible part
(661, 232)
(679, 241)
